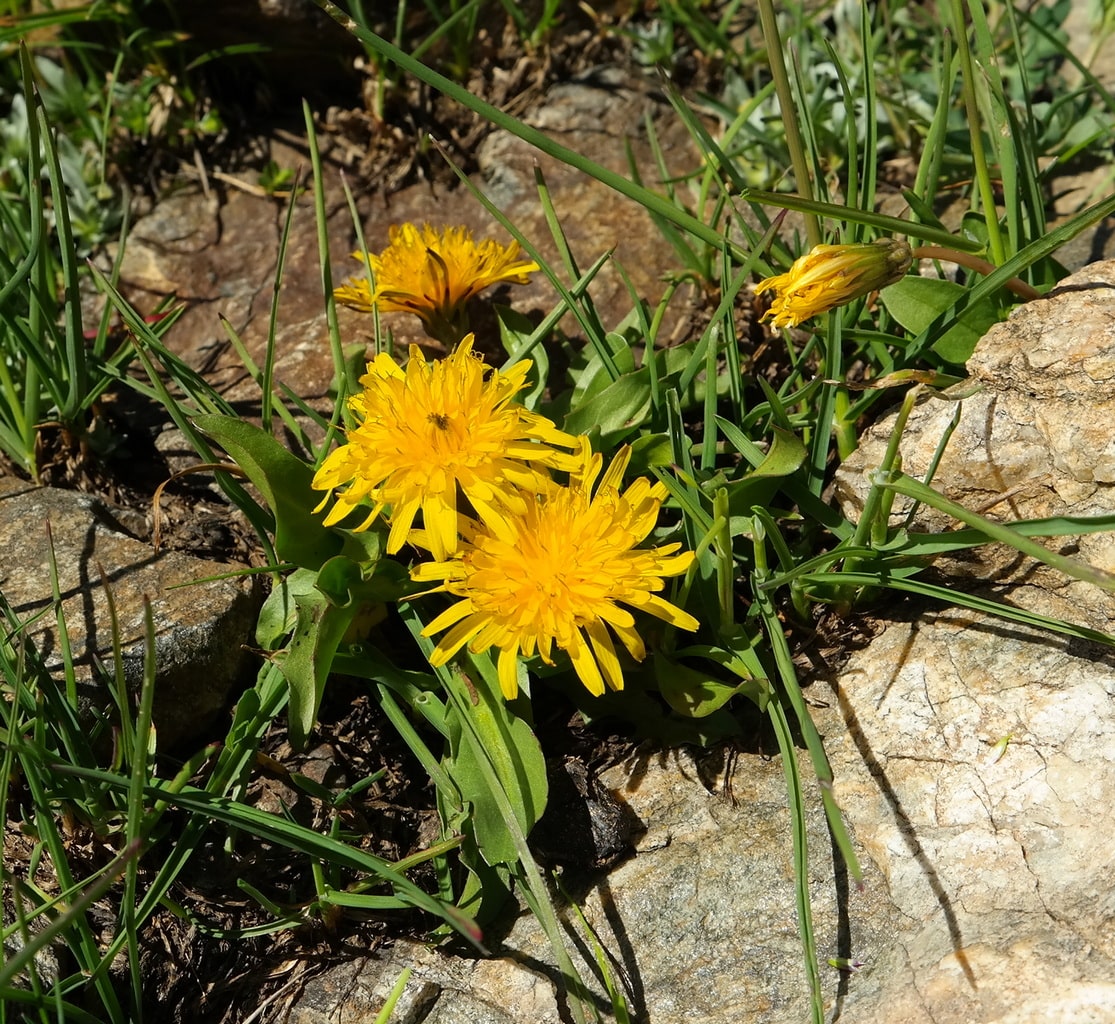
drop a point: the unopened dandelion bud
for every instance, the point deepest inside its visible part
(833, 275)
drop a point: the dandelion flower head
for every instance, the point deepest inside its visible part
(431, 432)
(433, 273)
(558, 571)
(833, 275)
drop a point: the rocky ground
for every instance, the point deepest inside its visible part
(985, 897)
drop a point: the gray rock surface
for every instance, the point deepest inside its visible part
(200, 627)
(593, 115)
(1037, 439)
(977, 758)
(976, 763)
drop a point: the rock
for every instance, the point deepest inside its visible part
(584, 825)
(218, 257)
(1034, 441)
(972, 754)
(594, 115)
(974, 760)
(200, 628)
(700, 924)
(362, 987)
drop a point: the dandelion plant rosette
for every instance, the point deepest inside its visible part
(562, 568)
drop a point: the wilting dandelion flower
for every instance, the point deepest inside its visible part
(432, 431)
(433, 273)
(557, 571)
(833, 275)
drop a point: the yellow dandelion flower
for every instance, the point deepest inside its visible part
(557, 571)
(432, 274)
(432, 431)
(833, 275)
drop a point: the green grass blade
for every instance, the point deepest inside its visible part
(143, 750)
(911, 488)
(887, 224)
(76, 375)
(73, 917)
(795, 795)
(344, 386)
(950, 597)
(762, 525)
(266, 383)
(287, 834)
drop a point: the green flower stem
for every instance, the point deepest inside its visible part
(890, 225)
(834, 404)
(979, 157)
(873, 505)
(847, 439)
(798, 158)
(1026, 257)
(937, 252)
(344, 386)
(721, 535)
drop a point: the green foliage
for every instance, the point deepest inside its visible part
(916, 302)
(978, 114)
(51, 367)
(69, 771)
(111, 84)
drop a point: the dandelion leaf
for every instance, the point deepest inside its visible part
(320, 625)
(915, 302)
(495, 747)
(284, 481)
